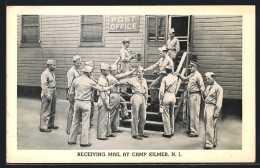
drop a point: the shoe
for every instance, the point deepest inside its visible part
(111, 135)
(207, 147)
(118, 131)
(53, 127)
(45, 130)
(71, 143)
(191, 135)
(86, 145)
(103, 138)
(144, 135)
(137, 137)
(188, 132)
(166, 136)
(214, 146)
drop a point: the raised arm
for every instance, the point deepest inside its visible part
(122, 75)
(219, 102)
(152, 67)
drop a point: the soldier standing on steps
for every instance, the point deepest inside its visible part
(116, 99)
(213, 103)
(167, 100)
(173, 46)
(162, 63)
(71, 75)
(138, 103)
(48, 96)
(195, 87)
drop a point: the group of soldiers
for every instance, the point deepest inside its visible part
(114, 80)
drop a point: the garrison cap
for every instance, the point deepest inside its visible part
(89, 63)
(76, 57)
(163, 48)
(193, 63)
(209, 74)
(140, 68)
(126, 40)
(51, 61)
(104, 66)
(87, 68)
(113, 67)
(172, 30)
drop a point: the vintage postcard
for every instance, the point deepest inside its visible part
(130, 84)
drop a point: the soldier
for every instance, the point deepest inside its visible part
(213, 103)
(82, 87)
(48, 96)
(162, 63)
(90, 63)
(195, 87)
(138, 103)
(104, 108)
(124, 59)
(115, 99)
(173, 45)
(167, 100)
(71, 75)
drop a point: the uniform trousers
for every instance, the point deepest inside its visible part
(138, 114)
(70, 115)
(103, 120)
(48, 110)
(154, 87)
(168, 113)
(92, 110)
(81, 114)
(194, 100)
(210, 125)
(114, 102)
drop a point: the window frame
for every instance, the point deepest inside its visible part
(92, 44)
(30, 45)
(157, 29)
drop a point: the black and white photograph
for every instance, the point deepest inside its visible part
(131, 84)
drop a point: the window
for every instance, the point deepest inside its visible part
(156, 26)
(92, 30)
(30, 31)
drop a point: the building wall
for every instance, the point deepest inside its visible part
(218, 42)
(60, 39)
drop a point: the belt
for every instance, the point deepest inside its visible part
(82, 100)
(194, 92)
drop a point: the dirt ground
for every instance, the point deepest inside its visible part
(29, 136)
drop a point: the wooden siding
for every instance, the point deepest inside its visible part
(218, 42)
(60, 39)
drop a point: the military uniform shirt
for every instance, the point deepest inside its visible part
(169, 84)
(48, 81)
(103, 81)
(83, 87)
(214, 95)
(173, 44)
(195, 83)
(72, 74)
(162, 63)
(112, 80)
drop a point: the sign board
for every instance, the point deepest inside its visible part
(123, 23)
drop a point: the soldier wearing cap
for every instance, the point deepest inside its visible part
(48, 96)
(195, 87)
(167, 100)
(71, 75)
(103, 128)
(82, 88)
(213, 103)
(173, 45)
(91, 63)
(161, 64)
(115, 99)
(138, 103)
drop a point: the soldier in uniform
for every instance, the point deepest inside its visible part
(104, 108)
(213, 103)
(115, 99)
(162, 63)
(71, 75)
(173, 45)
(82, 87)
(90, 63)
(48, 96)
(167, 100)
(138, 103)
(195, 87)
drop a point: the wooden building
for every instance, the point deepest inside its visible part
(217, 40)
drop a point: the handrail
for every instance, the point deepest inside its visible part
(184, 55)
(180, 81)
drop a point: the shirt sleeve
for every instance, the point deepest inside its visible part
(70, 77)
(152, 67)
(219, 100)
(126, 81)
(177, 46)
(200, 83)
(123, 57)
(146, 91)
(45, 84)
(72, 88)
(122, 75)
(162, 89)
(103, 93)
